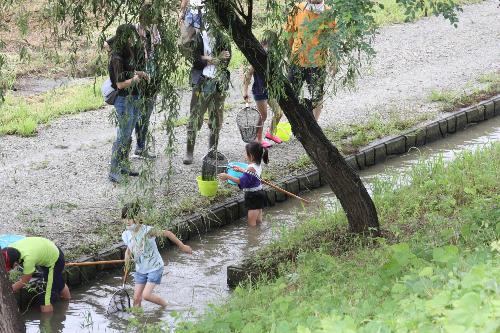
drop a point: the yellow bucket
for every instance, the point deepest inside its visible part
(284, 131)
(207, 188)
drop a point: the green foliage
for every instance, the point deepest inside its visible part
(428, 275)
(21, 115)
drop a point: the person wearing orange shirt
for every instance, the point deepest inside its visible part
(308, 56)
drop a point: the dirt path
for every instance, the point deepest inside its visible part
(55, 184)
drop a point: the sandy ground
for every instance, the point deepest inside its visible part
(55, 184)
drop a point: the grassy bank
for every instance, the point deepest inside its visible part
(392, 13)
(486, 86)
(436, 269)
(22, 115)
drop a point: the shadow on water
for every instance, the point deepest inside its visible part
(192, 282)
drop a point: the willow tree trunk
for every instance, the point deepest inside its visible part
(345, 182)
(10, 318)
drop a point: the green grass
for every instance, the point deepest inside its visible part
(350, 138)
(303, 162)
(238, 60)
(436, 270)
(22, 115)
(452, 100)
(393, 13)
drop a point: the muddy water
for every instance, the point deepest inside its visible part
(192, 282)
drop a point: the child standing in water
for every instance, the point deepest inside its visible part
(255, 196)
(141, 247)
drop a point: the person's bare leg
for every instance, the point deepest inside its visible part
(262, 108)
(65, 293)
(259, 217)
(317, 110)
(253, 215)
(46, 308)
(148, 295)
(138, 289)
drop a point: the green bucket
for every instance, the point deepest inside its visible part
(207, 188)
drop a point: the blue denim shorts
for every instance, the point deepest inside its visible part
(151, 277)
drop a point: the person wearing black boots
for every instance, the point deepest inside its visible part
(210, 81)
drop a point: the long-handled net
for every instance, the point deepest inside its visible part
(214, 163)
(120, 301)
(249, 122)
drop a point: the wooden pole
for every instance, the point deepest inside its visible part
(92, 263)
(272, 185)
(284, 191)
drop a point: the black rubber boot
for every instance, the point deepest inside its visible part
(213, 140)
(188, 158)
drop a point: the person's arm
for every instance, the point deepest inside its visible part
(128, 255)
(142, 75)
(246, 82)
(21, 282)
(183, 7)
(225, 176)
(170, 235)
(118, 70)
(291, 27)
(108, 43)
(128, 83)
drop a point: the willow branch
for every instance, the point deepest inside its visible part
(238, 8)
(250, 14)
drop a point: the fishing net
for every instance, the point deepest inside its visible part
(119, 302)
(214, 163)
(249, 122)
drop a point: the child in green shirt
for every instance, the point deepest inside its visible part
(37, 251)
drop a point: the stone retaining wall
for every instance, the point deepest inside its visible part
(234, 208)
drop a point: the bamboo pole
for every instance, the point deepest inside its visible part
(284, 191)
(92, 263)
(272, 185)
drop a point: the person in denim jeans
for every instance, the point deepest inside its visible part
(149, 39)
(124, 79)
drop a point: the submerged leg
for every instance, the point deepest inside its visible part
(148, 295)
(253, 215)
(138, 289)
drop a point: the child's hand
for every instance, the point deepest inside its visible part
(223, 176)
(238, 168)
(186, 249)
